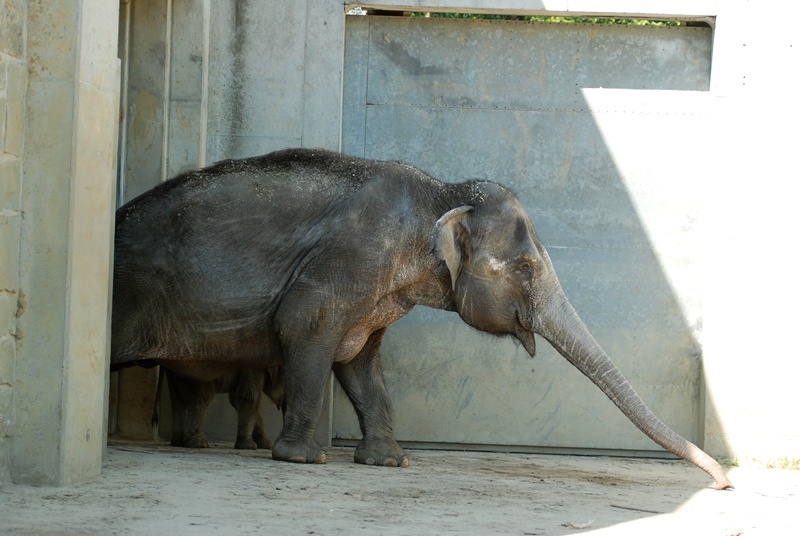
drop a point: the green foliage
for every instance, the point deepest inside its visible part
(793, 464)
(730, 462)
(598, 20)
(564, 20)
(789, 463)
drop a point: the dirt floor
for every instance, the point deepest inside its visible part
(152, 489)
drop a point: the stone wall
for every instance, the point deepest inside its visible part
(13, 82)
(59, 109)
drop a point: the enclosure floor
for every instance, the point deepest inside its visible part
(150, 488)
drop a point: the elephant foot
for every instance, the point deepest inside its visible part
(262, 441)
(256, 442)
(298, 452)
(245, 444)
(195, 442)
(384, 451)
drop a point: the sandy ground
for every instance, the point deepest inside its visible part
(152, 489)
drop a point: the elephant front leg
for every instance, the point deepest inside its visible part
(307, 371)
(362, 380)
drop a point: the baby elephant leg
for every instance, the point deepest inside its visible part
(245, 396)
(190, 399)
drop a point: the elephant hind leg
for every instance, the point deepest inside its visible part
(190, 399)
(362, 380)
(260, 437)
(245, 396)
(178, 404)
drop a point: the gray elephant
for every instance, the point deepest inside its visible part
(189, 399)
(304, 258)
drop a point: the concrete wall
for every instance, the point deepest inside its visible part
(60, 86)
(264, 86)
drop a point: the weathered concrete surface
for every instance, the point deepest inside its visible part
(156, 489)
(275, 76)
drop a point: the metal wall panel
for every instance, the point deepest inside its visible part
(600, 131)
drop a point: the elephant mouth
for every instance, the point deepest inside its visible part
(527, 339)
(524, 334)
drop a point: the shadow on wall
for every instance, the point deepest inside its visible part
(599, 130)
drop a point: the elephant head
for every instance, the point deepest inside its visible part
(503, 282)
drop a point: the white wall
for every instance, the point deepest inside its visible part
(751, 292)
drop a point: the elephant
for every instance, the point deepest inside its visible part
(190, 398)
(304, 257)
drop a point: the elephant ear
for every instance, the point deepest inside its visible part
(449, 238)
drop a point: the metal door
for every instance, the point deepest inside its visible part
(600, 131)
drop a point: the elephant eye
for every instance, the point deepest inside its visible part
(524, 267)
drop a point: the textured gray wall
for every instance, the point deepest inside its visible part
(583, 122)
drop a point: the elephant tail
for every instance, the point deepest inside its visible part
(157, 402)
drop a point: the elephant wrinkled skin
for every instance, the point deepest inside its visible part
(304, 258)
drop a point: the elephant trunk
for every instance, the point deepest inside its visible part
(564, 329)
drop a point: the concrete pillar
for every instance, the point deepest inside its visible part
(67, 201)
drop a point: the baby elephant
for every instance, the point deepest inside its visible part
(190, 399)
